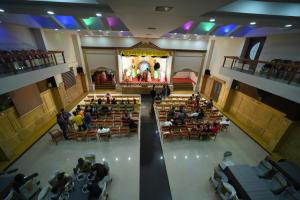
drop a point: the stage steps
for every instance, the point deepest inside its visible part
(105, 85)
(183, 86)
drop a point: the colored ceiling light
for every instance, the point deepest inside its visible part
(187, 25)
(116, 24)
(68, 22)
(242, 32)
(45, 22)
(206, 26)
(112, 21)
(89, 21)
(225, 30)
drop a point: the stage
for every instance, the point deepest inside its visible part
(136, 81)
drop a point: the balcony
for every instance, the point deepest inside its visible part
(21, 68)
(283, 71)
(279, 79)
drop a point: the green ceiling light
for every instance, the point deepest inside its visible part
(206, 26)
(89, 21)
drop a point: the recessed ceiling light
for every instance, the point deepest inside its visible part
(2, 10)
(212, 19)
(50, 12)
(214, 35)
(78, 29)
(252, 23)
(56, 29)
(231, 37)
(288, 25)
(163, 8)
(175, 33)
(195, 34)
(98, 14)
(121, 31)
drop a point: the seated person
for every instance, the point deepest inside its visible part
(126, 118)
(171, 113)
(134, 101)
(158, 97)
(181, 116)
(201, 113)
(82, 166)
(104, 109)
(78, 120)
(94, 191)
(198, 95)
(113, 101)
(209, 104)
(108, 95)
(21, 179)
(60, 180)
(132, 124)
(103, 130)
(195, 114)
(107, 100)
(99, 101)
(127, 102)
(100, 171)
(206, 128)
(122, 102)
(168, 123)
(190, 100)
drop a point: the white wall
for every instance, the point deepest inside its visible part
(188, 60)
(285, 46)
(15, 37)
(89, 41)
(61, 41)
(101, 58)
(224, 46)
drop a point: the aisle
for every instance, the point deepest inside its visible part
(154, 183)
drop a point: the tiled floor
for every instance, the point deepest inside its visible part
(189, 164)
(45, 157)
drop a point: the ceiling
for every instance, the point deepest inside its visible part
(176, 19)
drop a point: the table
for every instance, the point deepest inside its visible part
(291, 171)
(247, 184)
(77, 192)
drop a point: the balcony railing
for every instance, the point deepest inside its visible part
(278, 70)
(15, 62)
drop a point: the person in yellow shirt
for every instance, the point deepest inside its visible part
(78, 120)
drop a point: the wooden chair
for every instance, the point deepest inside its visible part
(166, 135)
(194, 133)
(56, 135)
(184, 132)
(115, 130)
(124, 130)
(91, 134)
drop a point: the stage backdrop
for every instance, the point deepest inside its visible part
(141, 63)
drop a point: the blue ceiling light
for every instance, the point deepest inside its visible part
(242, 32)
(225, 30)
(45, 22)
(68, 22)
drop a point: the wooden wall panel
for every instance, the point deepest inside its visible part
(267, 123)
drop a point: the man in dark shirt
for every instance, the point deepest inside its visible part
(100, 170)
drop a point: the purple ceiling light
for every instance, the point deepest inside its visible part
(112, 21)
(187, 25)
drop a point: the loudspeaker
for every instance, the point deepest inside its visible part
(79, 70)
(207, 72)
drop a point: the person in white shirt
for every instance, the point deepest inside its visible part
(103, 130)
(167, 123)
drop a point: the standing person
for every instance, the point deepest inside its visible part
(66, 115)
(63, 125)
(152, 92)
(79, 121)
(168, 91)
(87, 120)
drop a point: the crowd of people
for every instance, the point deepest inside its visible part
(81, 119)
(181, 116)
(159, 95)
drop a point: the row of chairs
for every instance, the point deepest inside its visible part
(110, 123)
(185, 132)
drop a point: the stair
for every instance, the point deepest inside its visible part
(105, 85)
(183, 86)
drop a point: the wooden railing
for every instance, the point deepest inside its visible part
(277, 69)
(14, 62)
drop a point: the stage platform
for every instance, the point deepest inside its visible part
(185, 84)
(153, 81)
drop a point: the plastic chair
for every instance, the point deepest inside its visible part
(277, 184)
(218, 177)
(263, 168)
(227, 160)
(226, 191)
